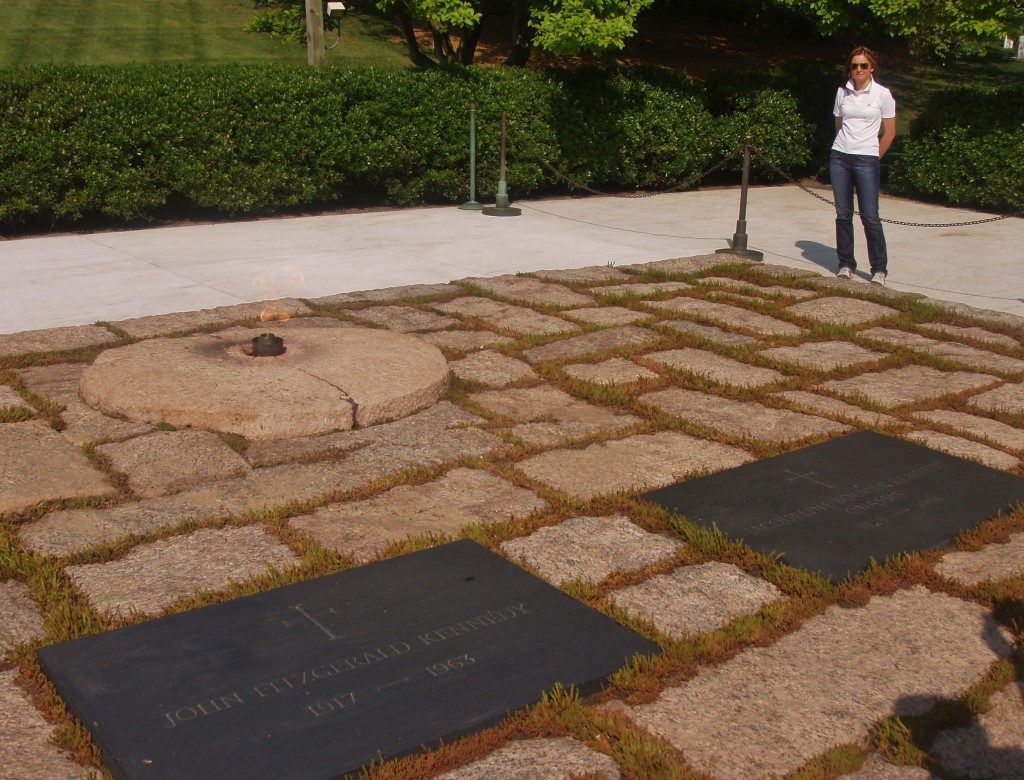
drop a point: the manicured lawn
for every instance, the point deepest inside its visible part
(94, 32)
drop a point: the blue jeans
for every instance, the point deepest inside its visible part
(860, 172)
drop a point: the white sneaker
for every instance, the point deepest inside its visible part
(845, 272)
(878, 278)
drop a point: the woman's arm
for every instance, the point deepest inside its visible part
(839, 123)
(888, 134)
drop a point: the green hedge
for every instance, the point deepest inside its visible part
(142, 143)
(967, 148)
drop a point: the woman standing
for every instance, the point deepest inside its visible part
(862, 108)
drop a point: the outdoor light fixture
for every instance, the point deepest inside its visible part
(336, 10)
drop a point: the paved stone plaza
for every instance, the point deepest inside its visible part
(569, 392)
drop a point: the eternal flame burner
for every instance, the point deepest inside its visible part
(267, 345)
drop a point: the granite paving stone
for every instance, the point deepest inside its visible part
(877, 768)
(20, 620)
(785, 272)
(992, 748)
(11, 401)
(180, 322)
(403, 293)
(614, 371)
(589, 548)
(445, 505)
(403, 319)
(517, 319)
(545, 416)
(972, 334)
(824, 405)
(708, 333)
(997, 318)
(626, 337)
(689, 265)
(845, 286)
(590, 273)
(991, 431)
(897, 387)
(731, 316)
(741, 419)
(642, 289)
(694, 599)
(960, 353)
(962, 448)
(715, 367)
(606, 316)
(835, 310)
(770, 709)
(465, 340)
(153, 576)
(492, 369)
(774, 291)
(526, 289)
(58, 383)
(26, 750)
(166, 462)
(55, 339)
(37, 464)
(635, 464)
(993, 562)
(1007, 399)
(824, 355)
(551, 758)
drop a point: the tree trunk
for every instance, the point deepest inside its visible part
(469, 39)
(419, 59)
(522, 36)
(316, 55)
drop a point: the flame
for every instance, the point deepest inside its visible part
(274, 285)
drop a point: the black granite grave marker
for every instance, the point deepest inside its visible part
(834, 506)
(318, 679)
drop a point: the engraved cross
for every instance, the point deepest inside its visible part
(306, 616)
(806, 476)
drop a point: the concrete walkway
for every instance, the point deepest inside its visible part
(83, 278)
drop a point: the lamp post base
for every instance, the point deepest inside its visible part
(502, 211)
(750, 254)
(472, 205)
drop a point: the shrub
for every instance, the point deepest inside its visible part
(139, 143)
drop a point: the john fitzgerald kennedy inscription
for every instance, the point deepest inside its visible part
(318, 679)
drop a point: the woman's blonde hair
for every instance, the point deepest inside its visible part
(867, 53)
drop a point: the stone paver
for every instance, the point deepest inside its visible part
(589, 548)
(607, 316)
(637, 463)
(992, 748)
(517, 319)
(447, 504)
(991, 431)
(708, 333)
(642, 289)
(717, 368)
(959, 353)
(693, 599)
(58, 383)
(901, 386)
(741, 419)
(525, 289)
(403, 319)
(20, 620)
(973, 334)
(25, 747)
(465, 340)
(1007, 399)
(822, 404)
(430, 439)
(404, 293)
(614, 371)
(775, 291)
(823, 355)
(962, 448)
(553, 758)
(877, 768)
(626, 337)
(834, 310)
(181, 322)
(165, 462)
(785, 272)
(37, 464)
(992, 562)
(591, 273)
(492, 369)
(545, 416)
(731, 316)
(688, 265)
(55, 339)
(153, 576)
(9, 399)
(771, 709)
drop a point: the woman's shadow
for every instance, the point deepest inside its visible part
(822, 255)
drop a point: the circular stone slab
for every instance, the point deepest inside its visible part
(328, 379)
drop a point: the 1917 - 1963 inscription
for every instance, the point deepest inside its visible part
(318, 679)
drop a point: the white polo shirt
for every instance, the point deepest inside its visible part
(862, 113)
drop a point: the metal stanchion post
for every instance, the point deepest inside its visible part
(472, 204)
(739, 238)
(501, 207)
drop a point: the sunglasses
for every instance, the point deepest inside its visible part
(859, 65)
